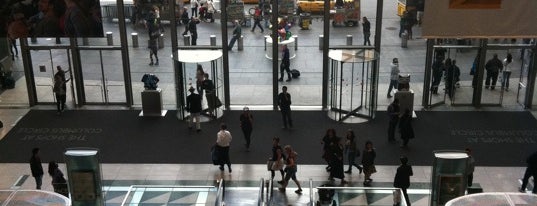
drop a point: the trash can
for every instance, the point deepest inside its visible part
(404, 40)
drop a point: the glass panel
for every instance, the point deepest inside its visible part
(44, 63)
(462, 75)
(103, 81)
(358, 196)
(437, 93)
(191, 195)
(501, 87)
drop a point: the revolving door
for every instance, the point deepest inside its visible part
(192, 65)
(352, 86)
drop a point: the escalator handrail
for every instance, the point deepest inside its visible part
(312, 202)
(260, 199)
(270, 190)
(220, 193)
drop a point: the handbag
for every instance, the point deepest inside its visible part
(278, 165)
(214, 155)
(269, 164)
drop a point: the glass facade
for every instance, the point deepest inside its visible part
(108, 70)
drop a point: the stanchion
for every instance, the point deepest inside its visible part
(186, 40)
(321, 42)
(134, 36)
(161, 41)
(213, 40)
(240, 43)
(109, 38)
(296, 41)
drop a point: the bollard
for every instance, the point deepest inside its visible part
(240, 43)
(134, 36)
(213, 40)
(266, 37)
(296, 41)
(349, 40)
(186, 40)
(161, 41)
(85, 41)
(109, 38)
(321, 42)
(404, 40)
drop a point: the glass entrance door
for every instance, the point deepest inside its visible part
(350, 85)
(44, 64)
(103, 76)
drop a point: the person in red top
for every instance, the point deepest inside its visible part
(257, 19)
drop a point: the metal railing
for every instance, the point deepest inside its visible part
(260, 195)
(396, 193)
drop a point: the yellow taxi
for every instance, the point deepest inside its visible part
(314, 6)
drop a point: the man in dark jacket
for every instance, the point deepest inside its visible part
(493, 67)
(193, 105)
(193, 29)
(531, 170)
(402, 178)
(284, 102)
(393, 112)
(36, 168)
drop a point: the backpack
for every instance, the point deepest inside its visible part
(295, 73)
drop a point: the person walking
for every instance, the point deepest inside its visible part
(368, 161)
(284, 66)
(405, 127)
(284, 102)
(36, 168)
(402, 178)
(290, 169)
(210, 94)
(506, 73)
(154, 33)
(246, 120)
(493, 66)
(58, 180)
(394, 76)
(351, 151)
(471, 167)
(194, 7)
(393, 113)
(193, 29)
(237, 32)
(193, 105)
(336, 161)
(257, 19)
(327, 140)
(531, 170)
(278, 158)
(60, 89)
(223, 141)
(210, 11)
(366, 26)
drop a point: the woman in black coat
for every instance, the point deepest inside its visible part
(368, 162)
(405, 127)
(402, 177)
